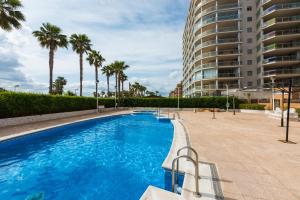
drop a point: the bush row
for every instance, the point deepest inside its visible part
(298, 111)
(203, 102)
(26, 104)
(252, 106)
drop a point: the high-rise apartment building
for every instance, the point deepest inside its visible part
(239, 44)
(278, 41)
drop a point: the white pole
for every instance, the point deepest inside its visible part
(273, 94)
(97, 97)
(178, 98)
(227, 104)
(116, 98)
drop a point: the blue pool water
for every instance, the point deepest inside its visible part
(111, 158)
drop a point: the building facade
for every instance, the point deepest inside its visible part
(234, 44)
(278, 41)
(177, 92)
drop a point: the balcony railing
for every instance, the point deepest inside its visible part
(280, 59)
(220, 30)
(282, 6)
(221, 53)
(282, 45)
(228, 75)
(282, 72)
(220, 41)
(230, 86)
(228, 17)
(228, 63)
(220, 18)
(282, 32)
(209, 65)
(281, 19)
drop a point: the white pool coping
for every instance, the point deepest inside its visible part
(206, 181)
(21, 134)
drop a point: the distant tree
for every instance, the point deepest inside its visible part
(70, 93)
(58, 85)
(10, 16)
(50, 37)
(81, 44)
(96, 59)
(3, 90)
(108, 72)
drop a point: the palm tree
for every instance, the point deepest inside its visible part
(96, 59)
(50, 37)
(123, 77)
(81, 44)
(107, 71)
(10, 16)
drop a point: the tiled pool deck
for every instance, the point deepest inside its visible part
(251, 162)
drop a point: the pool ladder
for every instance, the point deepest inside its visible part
(176, 161)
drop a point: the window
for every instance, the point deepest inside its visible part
(249, 51)
(249, 84)
(249, 8)
(249, 29)
(249, 73)
(249, 19)
(249, 62)
(249, 40)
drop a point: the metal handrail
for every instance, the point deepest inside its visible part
(196, 172)
(178, 154)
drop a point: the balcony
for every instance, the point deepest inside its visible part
(220, 30)
(228, 64)
(209, 65)
(281, 6)
(282, 21)
(276, 61)
(220, 7)
(282, 47)
(282, 73)
(285, 33)
(223, 17)
(228, 75)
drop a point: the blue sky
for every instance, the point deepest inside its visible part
(146, 34)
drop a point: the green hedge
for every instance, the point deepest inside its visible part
(26, 104)
(252, 106)
(203, 102)
(298, 111)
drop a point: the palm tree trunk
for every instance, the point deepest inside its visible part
(116, 88)
(81, 71)
(96, 78)
(119, 88)
(107, 80)
(122, 86)
(51, 63)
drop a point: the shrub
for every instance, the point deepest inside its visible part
(298, 111)
(252, 106)
(26, 104)
(203, 102)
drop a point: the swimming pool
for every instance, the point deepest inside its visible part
(109, 158)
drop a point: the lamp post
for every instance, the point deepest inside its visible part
(115, 97)
(178, 99)
(273, 93)
(97, 96)
(227, 100)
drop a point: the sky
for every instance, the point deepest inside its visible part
(146, 34)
